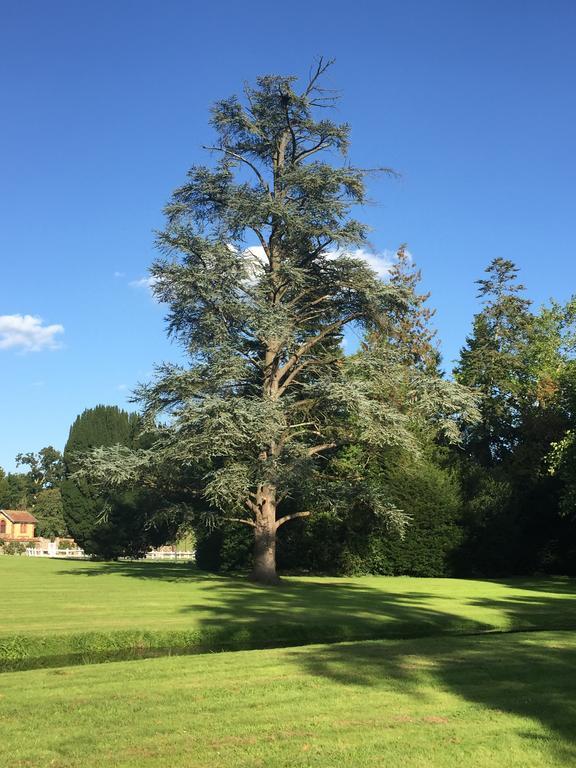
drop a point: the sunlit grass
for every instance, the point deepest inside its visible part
(505, 701)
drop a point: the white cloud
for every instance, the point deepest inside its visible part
(27, 333)
(258, 252)
(257, 258)
(143, 282)
(379, 262)
(119, 274)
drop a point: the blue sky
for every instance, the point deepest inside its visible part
(105, 106)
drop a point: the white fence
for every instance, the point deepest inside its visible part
(155, 554)
(77, 553)
(159, 554)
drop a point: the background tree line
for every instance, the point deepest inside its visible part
(103, 524)
(377, 460)
(503, 501)
(500, 503)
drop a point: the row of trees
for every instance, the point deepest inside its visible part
(269, 422)
(501, 501)
(108, 525)
(517, 469)
(377, 460)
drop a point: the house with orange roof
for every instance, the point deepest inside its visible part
(16, 525)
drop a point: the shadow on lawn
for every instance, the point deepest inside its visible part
(142, 569)
(238, 614)
(528, 675)
(520, 674)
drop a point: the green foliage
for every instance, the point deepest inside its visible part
(266, 394)
(517, 474)
(429, 493)
(15, 491)
(37, 490)
(13, 547)
(108, 525)
(46, 467)
(494, 362)
(355, 541)
(226, 548)
(49, 511)
(407, 326)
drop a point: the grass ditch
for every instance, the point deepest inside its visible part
(26, 652)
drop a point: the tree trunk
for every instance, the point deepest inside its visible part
(264, 565)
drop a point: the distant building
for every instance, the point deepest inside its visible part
(16, 525)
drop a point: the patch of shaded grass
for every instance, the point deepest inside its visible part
(57, 613)
(505, 701)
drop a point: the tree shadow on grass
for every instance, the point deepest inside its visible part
(526, 672)
(171, 571)
(530, 675)
(238, 614)
(331, 611)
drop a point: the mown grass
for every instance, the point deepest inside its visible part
(65, 612)
(504, 701)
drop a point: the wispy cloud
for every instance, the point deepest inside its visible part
(147, 283)
(380, 262)
(119, 274)
(28, 333)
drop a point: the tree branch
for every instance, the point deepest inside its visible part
(262, 240)
(242, 159)
(319, 448)
(320, 69)
(308, 345)
(285, 100)
(294, 515)
(292, 375)
(312, 151)
(240, 520)
(252, 506)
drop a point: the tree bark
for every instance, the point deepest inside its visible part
(264, 563)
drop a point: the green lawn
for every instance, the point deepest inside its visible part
(503, 701)
(57, 612)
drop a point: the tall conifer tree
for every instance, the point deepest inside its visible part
(85, 507)
(494, 362)
(267, 393)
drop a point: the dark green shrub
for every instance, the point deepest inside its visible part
(225, 548)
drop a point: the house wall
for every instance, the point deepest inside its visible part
(8, 533)
(17, 531)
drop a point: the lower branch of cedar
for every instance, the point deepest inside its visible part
(285, 519)
(240, 520)
(320, 448)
